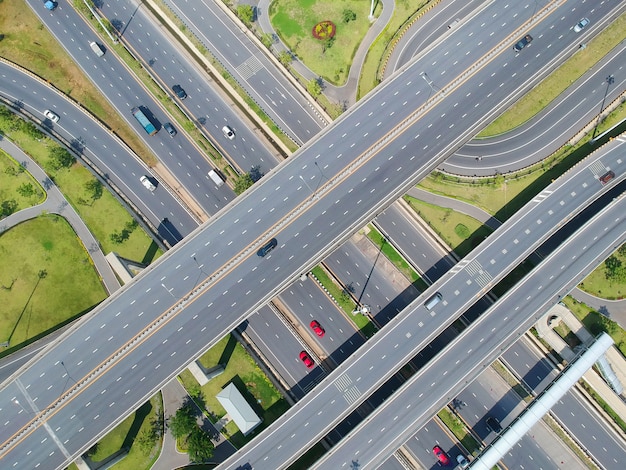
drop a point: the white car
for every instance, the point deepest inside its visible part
(581, 25)
(54, 117)
(147, 183)
(228, 132)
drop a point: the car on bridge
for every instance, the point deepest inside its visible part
(308, 362)
(522, 43)
(319, 331)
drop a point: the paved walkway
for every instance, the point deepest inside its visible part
(56, 203)
(345, 94)
(174, 395)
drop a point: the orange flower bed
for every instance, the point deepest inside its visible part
(324, 30)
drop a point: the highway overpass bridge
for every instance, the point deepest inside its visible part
(138, 339)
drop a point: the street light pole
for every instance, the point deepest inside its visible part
(307, 185)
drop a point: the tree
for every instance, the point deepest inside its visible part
(26, 190)
(613, 269)
(61, 158)
(199, 445)
(8, 207)
(243, 182)
(327, 44)
(285, 58)
(348, 15)
(314, 87)
(94, 188)
(183, 422)
(246, 14)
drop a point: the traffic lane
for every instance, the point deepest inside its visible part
(392, 463)
(231, 292)
(432, 434)
(308, 302)
(555, 125)
(415, 243)
(479, 344)
(105, 150)
(430, 27)
(552, 37)
(571, 410)
(371, 279)
(535, 371)
(281, 348)
(242, 58)
(122, 90)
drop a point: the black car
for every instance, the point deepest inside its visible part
(179, 92)
(170, 129)
(522, 43)
(269, 246)
(493, 424)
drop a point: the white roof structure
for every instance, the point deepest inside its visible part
(238, 408)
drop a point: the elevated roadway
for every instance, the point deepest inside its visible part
(138, 339)
(349, 384)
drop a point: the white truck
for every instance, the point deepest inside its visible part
(216, 178)
(96, 48)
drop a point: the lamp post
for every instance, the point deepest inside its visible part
(307, 185)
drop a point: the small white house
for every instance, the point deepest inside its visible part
(238, 409)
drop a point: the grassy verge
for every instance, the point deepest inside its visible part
(459, 231)
(558, 81)
(512, 381)
(294, 21)
(567, 440)
(395, 258)
(102, 212)
(238, 89)
(17, 185)
(344, 300)
(602, 284)
(609, 411)
(404, 11)
(240, 368)
(502, 197)
(47, 278)
(597, 323)
(459, 430)
(26, 42)
(125, 436)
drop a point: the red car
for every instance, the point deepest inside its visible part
(442, 457)
(304, 357)
(319, 331)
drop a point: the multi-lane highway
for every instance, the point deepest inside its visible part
(460, 362)
(351, 382)
(127, 342)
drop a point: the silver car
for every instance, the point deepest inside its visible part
(581, 25)
(54, 117)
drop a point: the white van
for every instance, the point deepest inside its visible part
(217, 179)
(432, 301)
(96, 48)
